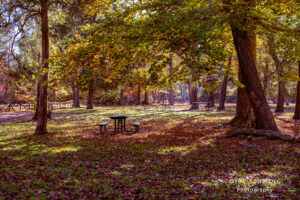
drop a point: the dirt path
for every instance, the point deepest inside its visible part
(9, 116)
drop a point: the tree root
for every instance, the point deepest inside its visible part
(262, 133)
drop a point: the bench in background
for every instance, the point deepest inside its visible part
(103, 124)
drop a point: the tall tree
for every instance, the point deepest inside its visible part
(146, 99)
(122, 96)
(42, 116)
(193, 92)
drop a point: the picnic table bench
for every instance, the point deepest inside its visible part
(103, 124)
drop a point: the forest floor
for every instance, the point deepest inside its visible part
(168, 159)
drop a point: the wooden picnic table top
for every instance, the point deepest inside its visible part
(119, 116)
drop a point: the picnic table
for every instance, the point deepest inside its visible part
(119, 124)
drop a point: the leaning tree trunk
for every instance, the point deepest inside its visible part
(90, 102)
(263, 115)
(224, 87)
(244, 116)
(42, 115)
(297, 108)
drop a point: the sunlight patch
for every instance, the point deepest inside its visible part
(183, 150)
(68, 148)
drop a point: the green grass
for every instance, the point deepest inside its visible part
(168, 158)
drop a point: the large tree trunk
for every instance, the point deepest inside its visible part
(90, 102)
(224, 87)
(193, 95)
(171, 91)
(244, 116)
(75, 93)
(297, 108)
(263, 115)
(42, 116)
(146, 100)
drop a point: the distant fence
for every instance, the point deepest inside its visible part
(29, 106)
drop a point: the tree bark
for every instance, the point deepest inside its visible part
(42, 116)
(244, 116)
(90, 102)
(263, 115)
(122, 96)
(75, 93)
(193, 95)
(297, 108)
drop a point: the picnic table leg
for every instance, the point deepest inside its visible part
(125, 125)
(115, 125)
